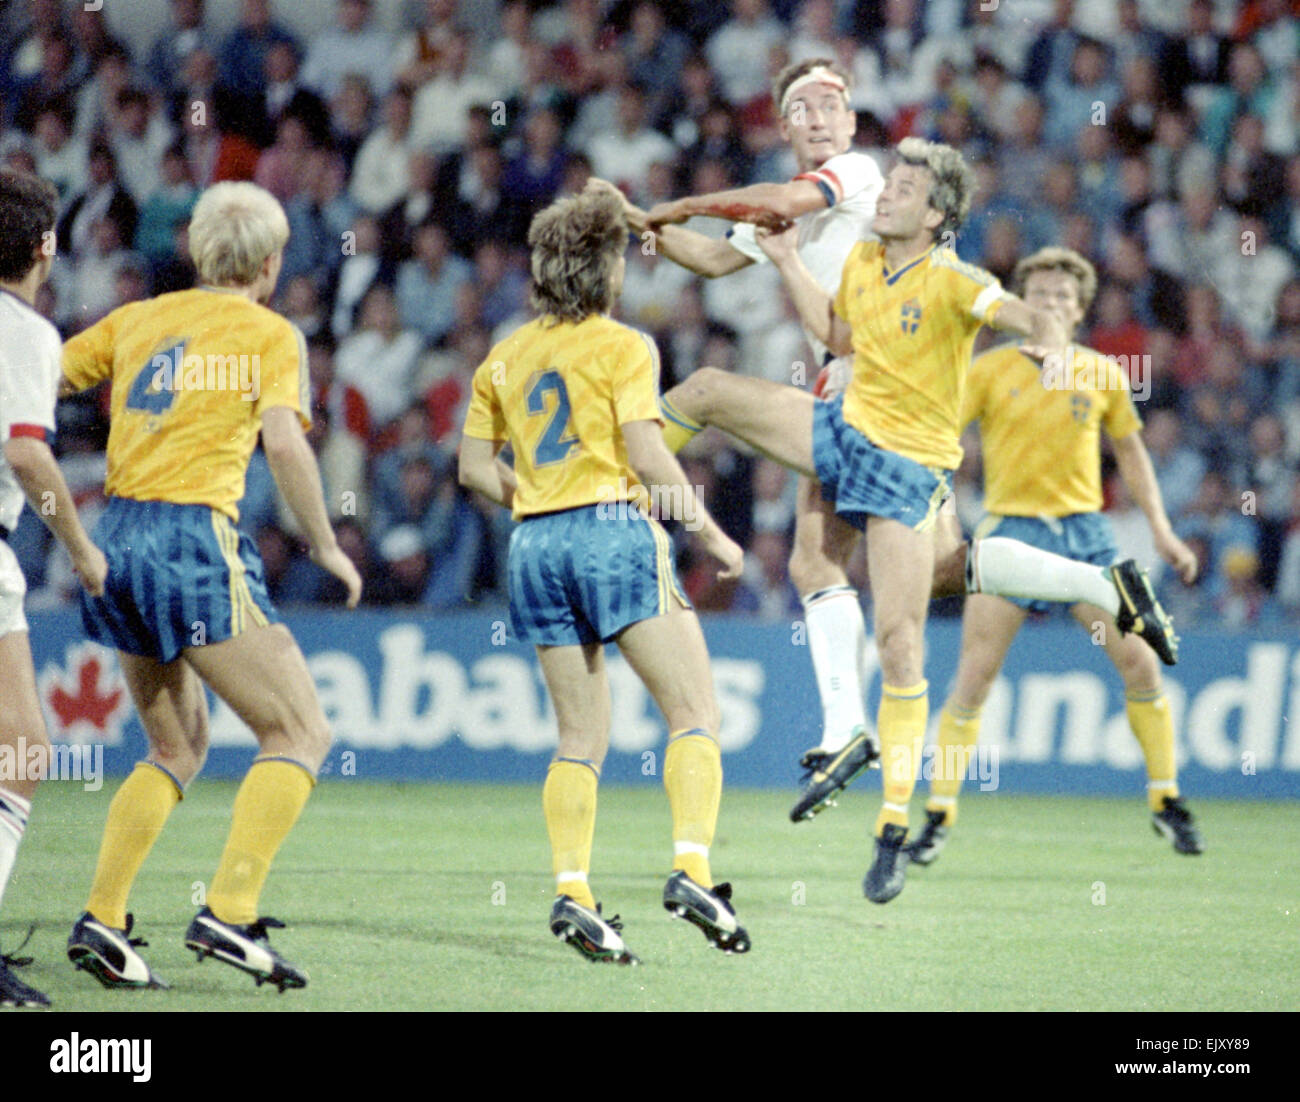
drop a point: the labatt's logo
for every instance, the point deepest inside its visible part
(424, 697)
(493, 702)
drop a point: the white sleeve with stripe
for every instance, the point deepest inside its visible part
(30, 363)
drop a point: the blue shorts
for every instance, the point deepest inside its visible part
(178, 576)
(1085, 537)
(583, 575)
(863, 480)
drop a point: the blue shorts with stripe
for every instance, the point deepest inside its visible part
(178, 576)
(583, 575)
(1084, 537)
(863, 480)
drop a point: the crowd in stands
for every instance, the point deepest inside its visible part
(1162, 140)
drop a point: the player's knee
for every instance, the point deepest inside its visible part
(697, 395)
(1139, 668)
(900, 652)
(812, 567)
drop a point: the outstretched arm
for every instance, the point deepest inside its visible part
(768, 205)
(1139, 476)
(1043, 333)
(706, 256)
(293, 465)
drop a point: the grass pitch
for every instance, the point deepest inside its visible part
(435, 897)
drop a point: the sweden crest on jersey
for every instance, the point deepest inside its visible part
(911, 314)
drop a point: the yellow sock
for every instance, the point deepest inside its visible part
(693, 778)
(1153, 724)
(901, 723)
(267, 805)
(569, 803)
(959, 730)
(679, 430)
(135, 819)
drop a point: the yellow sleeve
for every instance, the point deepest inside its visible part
(636, 381)
(976, 293)
(485, 419)
(284, 378)
(1121, 417)
(88, 357)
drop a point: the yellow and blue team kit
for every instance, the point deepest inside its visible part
(191, 375)
(887, 447)
(585, 561)
(1040, 437)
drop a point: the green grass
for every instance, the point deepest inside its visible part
(388, 890)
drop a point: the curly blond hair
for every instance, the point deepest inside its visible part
(575, 244)
(954, 180)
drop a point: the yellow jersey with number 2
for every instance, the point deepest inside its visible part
(559, 392)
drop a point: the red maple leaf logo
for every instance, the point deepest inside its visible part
(88, 704)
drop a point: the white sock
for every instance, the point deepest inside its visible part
(13, 821)
(1009, 568)
(837, 639)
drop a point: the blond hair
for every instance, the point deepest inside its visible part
(1054, 258)
(575, 244)
(954, 181)
(234, 228)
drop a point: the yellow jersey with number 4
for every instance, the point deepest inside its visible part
(559, 392)
(192, 373)
(1040, 431)
(913, 331)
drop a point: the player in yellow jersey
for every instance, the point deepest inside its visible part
(908, 311)
(1040, 431)
(575, 395)
(196, 375)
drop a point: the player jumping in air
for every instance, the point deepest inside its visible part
(29, 382)
(1041, 437)
(908, 310)
(195, 376)
(575, 395)
(833, 203)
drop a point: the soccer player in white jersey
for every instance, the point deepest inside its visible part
(832, 201)
(31, 355)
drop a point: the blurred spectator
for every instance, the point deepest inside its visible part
(738, 51)
(655, 55)
(353, 45)
(1053, 51)
(534, 174)
(360, 268)
(380, 174)
(427, 284)
(167, 207)
(1197, 58)
(378, 360)
(765, 589)
(104, 197)
(440, 107)
(244, 52)
(1178, 467)
(173, 49)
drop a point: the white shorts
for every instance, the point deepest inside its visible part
(13, 587)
